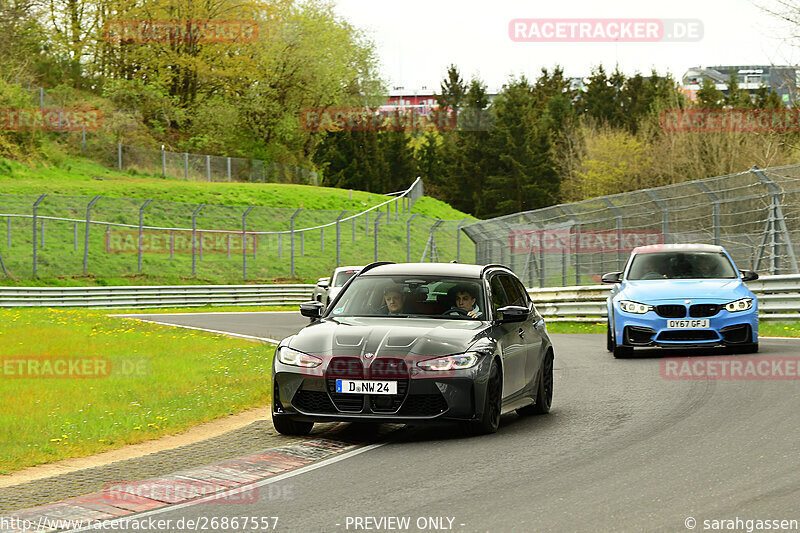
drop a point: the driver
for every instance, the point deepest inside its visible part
(706, 266)
(466, 298)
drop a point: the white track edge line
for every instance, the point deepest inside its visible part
(226, 333)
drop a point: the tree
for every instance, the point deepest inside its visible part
(525, 175)
(737, 98)
(603, 99)
(709, 97)
(453, 89)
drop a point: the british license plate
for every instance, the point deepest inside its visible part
(699, 323)
(364, 386)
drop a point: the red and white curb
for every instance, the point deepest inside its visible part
(229, 482)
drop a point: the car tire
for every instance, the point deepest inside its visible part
(544, 394)
(747, 348)
(492, 404)
(622, 352)
(287, 426)
(609, 340)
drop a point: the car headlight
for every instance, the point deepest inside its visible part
(634, 307)
(450, 362)
(739, 305)
(288, 356)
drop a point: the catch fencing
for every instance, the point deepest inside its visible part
(754, 214)
(52, 236)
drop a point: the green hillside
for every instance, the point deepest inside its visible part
(112, 257)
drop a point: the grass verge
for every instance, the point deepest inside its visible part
(122, 382)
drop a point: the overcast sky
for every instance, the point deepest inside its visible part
(417, 39)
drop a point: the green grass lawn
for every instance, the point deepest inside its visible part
(137, 381)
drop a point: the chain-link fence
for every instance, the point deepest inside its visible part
(198, 167)
(754, 214)
(52, 236)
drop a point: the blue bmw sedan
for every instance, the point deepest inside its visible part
(678, 296)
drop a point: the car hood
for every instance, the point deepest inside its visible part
(674, 289)
(388, 336)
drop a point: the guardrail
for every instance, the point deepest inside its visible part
(778, 299)
(155, 296)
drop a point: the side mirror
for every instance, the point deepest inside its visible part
(323, 283)
(312, 309)
(748, 275)
(514, 313)
(611, 277)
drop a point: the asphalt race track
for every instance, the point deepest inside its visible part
(622, 450)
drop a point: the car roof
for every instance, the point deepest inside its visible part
(426, 269)
(340, 269)
(693, 247)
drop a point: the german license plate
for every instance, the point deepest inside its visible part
(364, 386)
(698, 323)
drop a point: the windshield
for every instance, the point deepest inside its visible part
(341, 277)
(681, 265)
(442, 297)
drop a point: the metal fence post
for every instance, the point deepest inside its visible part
(291, 239)
(322, 239)
(35, 236)
(186, 166)
(244, 242)
(83, 139)
(715, 210)
(3, 266)
(141, 232)
(41, 98)
(208, 168)
(42, 232)
(229, 169)
(119, 155)
(163, 161)
(777, 217)
(86, 234)
(408, 237)
(664, 213)
(366, 223)
(194, 239)
(75, 236)
(458, 239)
(375, 233)
(339, 239)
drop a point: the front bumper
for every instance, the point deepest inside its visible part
(451, 396)
(649, 329)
